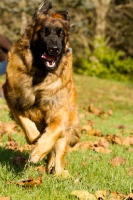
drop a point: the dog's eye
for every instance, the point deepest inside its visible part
(60, 32)
(46, 31)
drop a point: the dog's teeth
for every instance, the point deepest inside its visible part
(50, 64)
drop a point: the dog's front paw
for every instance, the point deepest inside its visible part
(34, 158)
(37, 154)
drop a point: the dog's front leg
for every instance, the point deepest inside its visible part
(29, 128)
(46, 142)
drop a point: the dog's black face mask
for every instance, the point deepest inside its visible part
(52, 45)
(51, 42)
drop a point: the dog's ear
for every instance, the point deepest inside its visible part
(43, 8)
(61, 14)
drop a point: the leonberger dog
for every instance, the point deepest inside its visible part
(40, 90)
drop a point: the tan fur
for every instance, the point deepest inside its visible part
(53, 121)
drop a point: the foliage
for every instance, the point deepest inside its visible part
(105, 62)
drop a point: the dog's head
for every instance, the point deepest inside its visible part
(50, 36)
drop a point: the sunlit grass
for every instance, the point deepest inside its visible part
(90, 170)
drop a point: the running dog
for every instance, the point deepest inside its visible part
(40, 90)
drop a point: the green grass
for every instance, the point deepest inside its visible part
(92, 170)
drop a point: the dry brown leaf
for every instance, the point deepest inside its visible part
(119, 140)
(102, 194)
(126, 141)
(76, 181)
(82, 145)
(18, 160)
(129, 197)
(25, 147)
(2, 129)
(131, 140)
(110, 112)
(99, 112)
(4, 198)
(40, 168)
(81, 115)
(129, 149)
(103, 142)
(116, 196)
(11, 143)
(30, 182)
(86, 127)
(84, 163)
(102, 149)
(94, 132)
(83, 195)
(113, 139)
(116, 161)
(101, 146)
(10, 127)
(130, 171)
(95, 111)
(122, 126)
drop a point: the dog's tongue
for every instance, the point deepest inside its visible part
(48, 57)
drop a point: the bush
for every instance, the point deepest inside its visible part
(105, 62)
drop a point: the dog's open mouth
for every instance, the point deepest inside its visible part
(50, 60)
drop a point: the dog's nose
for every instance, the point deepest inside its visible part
(54, 50)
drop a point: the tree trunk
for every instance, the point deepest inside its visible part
(102, 7)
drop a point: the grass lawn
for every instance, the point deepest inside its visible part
(105, 109)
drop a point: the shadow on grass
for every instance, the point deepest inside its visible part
(6, 156)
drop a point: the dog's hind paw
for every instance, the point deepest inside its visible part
(64, 174)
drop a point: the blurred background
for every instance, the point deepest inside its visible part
(101, 38)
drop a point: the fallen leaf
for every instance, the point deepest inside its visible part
(94, 132)
(102, 194)
(102, 150)
(103, 142)
(95, 110)
(40, 168)
(10, 127)
(116, 196)
(102, 146)
(86, 127)
(84, 163)
(81, 115)
(119, 140)
(4, 198)
(83, 195)
(18, 160)
(129, 149)
(110, 112)
(116, 161)
(130, 171)
(30, 182)
(25, 147)
(11, 143)
(2, 129)
(77, 180)
(129, 197)
(122, 126)
(82, 145)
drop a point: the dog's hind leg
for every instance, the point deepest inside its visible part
(61, 148)
(50, 167)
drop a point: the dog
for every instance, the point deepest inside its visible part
(40, 90)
